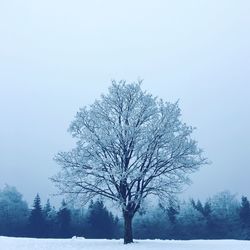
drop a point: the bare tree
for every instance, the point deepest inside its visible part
(130, 145)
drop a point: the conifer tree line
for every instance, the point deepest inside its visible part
(221, 217)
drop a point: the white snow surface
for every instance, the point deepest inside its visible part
(9, 243)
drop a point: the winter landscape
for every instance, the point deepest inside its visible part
(84, 244)
(124, 125)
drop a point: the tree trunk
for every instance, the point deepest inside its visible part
(128, 233)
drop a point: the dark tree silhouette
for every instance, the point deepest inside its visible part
(63, 221)
(245, 217)
(50, 214)
(36, 219)
(102, 223)
(245, 211)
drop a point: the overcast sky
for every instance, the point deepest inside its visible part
(57, 56)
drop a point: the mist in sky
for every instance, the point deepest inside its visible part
(57, 56)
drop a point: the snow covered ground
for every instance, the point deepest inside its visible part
(84, 244)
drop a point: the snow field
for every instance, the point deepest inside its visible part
(7, 243)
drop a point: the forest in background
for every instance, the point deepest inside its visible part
(222, 216)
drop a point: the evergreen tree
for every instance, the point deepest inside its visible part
(63, 221)
(206, 211)
(36, 219)
(78, 221)
(101, 222)
(198, 206)
(245, 211)
(172, 213)
(50, 219)
(245, 217)
(191, 221)
(173, 228)
(47, 208)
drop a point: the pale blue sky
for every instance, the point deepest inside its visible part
(56, 56)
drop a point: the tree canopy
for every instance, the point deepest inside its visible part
(130, 145)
